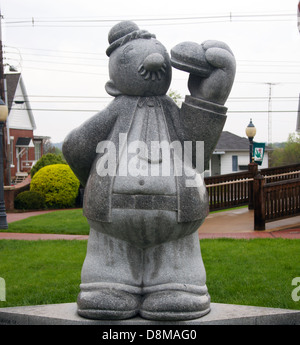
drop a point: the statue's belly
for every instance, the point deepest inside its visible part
(146, 164)
(145, 228)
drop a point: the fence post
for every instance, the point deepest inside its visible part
(259, 202)
(252, 168)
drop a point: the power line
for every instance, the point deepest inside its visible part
(97, 110)
(105, 57)
(66, 71)
(106, 60)
(268, 72)
(59, 56)
(148, 25)
(69, 96)
(87, 98)
(109, 97)
(58, 63)
(55, 50)
(230, 17)
(242, 63)
(100, 66)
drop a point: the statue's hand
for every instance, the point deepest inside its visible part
(216, 87)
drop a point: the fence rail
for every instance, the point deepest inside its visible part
(228, 194)
(274, 201)
(282, 199)
(281, 173)
(273, 193)
(27, 164)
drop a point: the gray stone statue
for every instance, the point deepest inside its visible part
(141, 161)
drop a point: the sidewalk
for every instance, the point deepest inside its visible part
(237, 223)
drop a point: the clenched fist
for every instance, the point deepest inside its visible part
(212, 69)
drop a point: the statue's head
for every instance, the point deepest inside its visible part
(139, 65)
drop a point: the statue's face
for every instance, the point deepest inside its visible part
(141, 67)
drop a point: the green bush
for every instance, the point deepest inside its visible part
(48, 159)
(58, 184)
(30, 200)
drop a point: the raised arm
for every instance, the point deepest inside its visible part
(212, 70)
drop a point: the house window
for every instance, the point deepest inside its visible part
(37, 150)
(234, 163)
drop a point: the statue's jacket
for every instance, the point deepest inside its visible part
(197, 120)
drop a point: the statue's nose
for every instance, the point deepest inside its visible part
(153, 62)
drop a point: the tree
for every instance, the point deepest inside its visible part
(48, 159)
(175, 96)
(48, 147)
(288, 154)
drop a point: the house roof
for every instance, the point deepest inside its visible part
(24, 142)
(12, 80)
(232, 142)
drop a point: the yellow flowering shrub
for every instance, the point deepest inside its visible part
(58, 184)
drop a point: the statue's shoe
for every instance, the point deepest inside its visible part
(105, 303)
(174, 305)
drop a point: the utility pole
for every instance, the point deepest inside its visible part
(3, 96)
(2, 92)
(270, 112)
(3, 220)
(298, 15)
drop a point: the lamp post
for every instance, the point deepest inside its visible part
(250, 132)
(3, 117)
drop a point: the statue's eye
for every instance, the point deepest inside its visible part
(125, 55)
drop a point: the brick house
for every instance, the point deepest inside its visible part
(22, 148)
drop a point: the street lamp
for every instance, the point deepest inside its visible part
(250, 132)
(3, 117)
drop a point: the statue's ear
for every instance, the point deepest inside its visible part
(111, 89)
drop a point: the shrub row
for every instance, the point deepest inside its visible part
(30, 200)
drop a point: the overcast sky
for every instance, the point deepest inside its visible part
(59, 46)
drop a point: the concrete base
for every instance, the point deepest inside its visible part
(220, 314)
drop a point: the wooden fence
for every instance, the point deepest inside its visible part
(231, 190)
(275, 200)
(273, 193)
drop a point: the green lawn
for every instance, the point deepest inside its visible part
(41, 272)
(56, 222)
(250, 272)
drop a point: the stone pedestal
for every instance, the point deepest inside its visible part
(220, 314)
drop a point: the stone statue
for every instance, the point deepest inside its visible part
(144, 194)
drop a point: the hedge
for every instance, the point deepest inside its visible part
(58, 184)
(30, 200)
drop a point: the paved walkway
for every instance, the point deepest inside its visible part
(236, 223)
(239, 223)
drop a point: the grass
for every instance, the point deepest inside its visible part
(251, 272)
(56, 222)
(41, 272)
(256, 272)
(70, 222)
